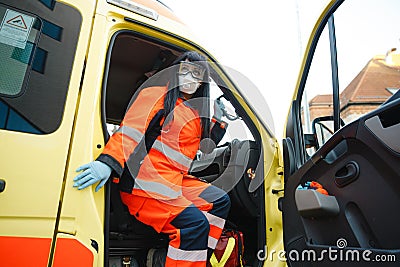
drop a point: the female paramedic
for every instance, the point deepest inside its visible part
(153, 175)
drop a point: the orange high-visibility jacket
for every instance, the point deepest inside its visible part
(162, 170)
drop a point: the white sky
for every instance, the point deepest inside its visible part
(261, 39)
(257, 38)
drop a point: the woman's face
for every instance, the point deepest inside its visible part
(190, 76)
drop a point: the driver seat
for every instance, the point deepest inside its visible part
(126, 231)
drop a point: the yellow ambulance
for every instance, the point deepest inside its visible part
(68, 70)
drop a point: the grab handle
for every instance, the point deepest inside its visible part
(2, 185)
(347, 174)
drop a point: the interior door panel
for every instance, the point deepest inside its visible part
(359, 167)
(386, 127)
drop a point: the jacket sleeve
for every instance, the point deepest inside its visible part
(112, 162)
(115, 150)
(218, 130)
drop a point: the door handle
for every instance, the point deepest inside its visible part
(2, 185)
(347, 174)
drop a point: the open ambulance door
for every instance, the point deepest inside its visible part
(346, 139)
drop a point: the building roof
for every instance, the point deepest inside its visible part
(321, 100)
(370, 85)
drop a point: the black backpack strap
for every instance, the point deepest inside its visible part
(153, 130)
(132, 165)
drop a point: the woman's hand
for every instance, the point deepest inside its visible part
(93, 172)
(218, 109)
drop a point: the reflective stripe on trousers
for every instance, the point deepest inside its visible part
(177, 254)
(216, 227)
(217, 215)
(188, 245)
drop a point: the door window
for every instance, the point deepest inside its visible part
(317, 99)
(37, 48)
(368, 59)
(368, 55)
(18, 37)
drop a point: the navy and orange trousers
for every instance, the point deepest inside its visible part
(193, 222)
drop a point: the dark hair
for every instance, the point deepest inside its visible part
(202, 92)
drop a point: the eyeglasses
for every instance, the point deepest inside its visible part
(196, 70)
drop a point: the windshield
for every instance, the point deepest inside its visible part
(253, 97)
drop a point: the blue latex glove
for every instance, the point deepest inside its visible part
(218, 109)
(93, 172)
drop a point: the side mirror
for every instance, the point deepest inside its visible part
(322, 130)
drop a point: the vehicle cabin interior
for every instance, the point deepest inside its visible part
(342, 137)
(131, 60)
